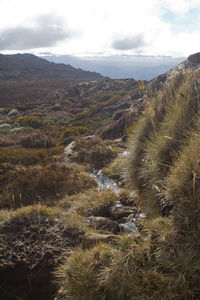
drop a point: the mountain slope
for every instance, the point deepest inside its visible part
(31, 67)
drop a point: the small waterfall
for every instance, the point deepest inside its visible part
(129, 223)
(105, 182)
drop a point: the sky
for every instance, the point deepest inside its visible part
(97, 28)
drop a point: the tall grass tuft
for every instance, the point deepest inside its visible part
(162, 134)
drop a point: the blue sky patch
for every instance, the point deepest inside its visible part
(183, 23)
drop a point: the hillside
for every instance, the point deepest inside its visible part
(101, 181)
(30, 67)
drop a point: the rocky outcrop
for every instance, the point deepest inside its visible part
(192, 62)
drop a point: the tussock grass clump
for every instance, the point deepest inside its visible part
(114, 170)
(93, 152)
(164, 168)
(162, 134)
(148, 266)
(124, 271)
(33, 242)
(92, 202)
(77, 277)
(182, 185)
(44, 184)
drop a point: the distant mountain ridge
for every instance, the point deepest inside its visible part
(30, 67)
(121, 66)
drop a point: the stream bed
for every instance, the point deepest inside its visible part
(130, 216)
(127, 224)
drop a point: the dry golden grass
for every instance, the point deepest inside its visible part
(162, 134)
(91, 202)
(43, 184)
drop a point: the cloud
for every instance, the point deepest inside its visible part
(129, 43)
(46, 32)
(180, 6)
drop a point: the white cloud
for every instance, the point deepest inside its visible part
(98, 24)
(180, 6)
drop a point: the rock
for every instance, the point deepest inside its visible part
(13, 113)
(101, 210)
(92, 239)
(129, 227)
(89, 137)
(118, 212)
(5, 126)
(101, 223)
(68, 151)
(192, 62)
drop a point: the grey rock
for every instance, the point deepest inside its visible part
(13, 113)
(101, 223)
(117, 212)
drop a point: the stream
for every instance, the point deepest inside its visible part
(127, 223)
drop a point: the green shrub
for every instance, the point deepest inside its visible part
(73, 131)
(30, 121)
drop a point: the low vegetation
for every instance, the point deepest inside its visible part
(30, 121)
(92, 202)
(43, 184)
(58, 228)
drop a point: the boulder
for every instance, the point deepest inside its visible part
(101, 223)
(119, 212)
(13, 113)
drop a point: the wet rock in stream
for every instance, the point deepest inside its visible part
(101, 223)
(119, 212)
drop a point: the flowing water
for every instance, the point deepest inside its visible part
(105, 182)
(129, 223)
